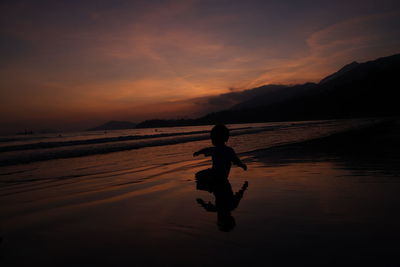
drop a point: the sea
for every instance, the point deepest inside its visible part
(130, 198)
(76, 154)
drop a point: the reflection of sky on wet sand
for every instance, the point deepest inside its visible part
(337, 186)
(323, 190)
(324, 207)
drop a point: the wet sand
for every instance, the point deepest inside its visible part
(330, 202)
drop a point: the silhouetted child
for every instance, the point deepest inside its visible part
(222, 155)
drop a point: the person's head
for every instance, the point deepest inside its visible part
(219, 134)
(226, 222)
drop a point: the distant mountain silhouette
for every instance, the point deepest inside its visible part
(340, 72)
(356, 90)
(229, 100)
(274, 96)
(114, 125)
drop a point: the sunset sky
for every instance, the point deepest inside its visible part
(69, 65)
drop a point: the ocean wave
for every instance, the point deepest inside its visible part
(94, 141)
(55, 150)
(26, 153)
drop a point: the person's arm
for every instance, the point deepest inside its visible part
(239, 194)
(237, 161)
(206, 151)
(207, 206)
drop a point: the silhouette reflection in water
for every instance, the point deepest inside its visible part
(225, 200)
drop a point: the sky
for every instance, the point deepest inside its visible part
(71, 65)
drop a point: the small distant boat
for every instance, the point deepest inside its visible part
(26, 132)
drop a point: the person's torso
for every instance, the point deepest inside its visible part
(222, 160)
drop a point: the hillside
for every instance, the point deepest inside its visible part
(357, 90)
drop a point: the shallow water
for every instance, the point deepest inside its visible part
(139, 207)
(16, 150)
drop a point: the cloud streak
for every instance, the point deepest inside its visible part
(362, 38)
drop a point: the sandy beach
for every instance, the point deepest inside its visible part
(327, 202)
